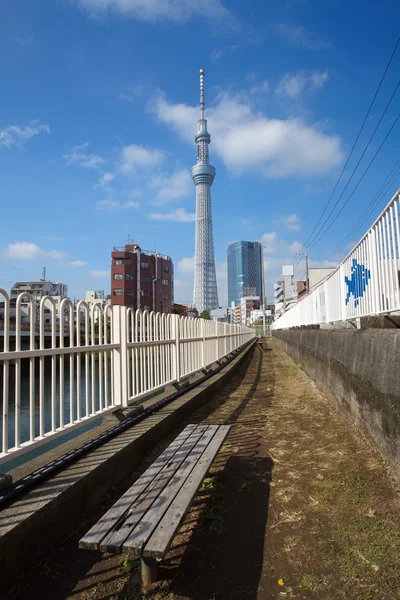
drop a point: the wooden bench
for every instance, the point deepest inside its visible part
(146, 518)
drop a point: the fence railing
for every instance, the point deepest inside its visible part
(102, 360)
(366, 282)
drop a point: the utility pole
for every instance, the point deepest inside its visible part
(263, 287)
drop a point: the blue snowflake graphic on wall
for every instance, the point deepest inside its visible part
(358, 282)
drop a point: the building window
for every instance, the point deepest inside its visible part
(118, 261)
(47, 310)
(166, 268)
(147, 278)
(117, 292)
(146, 307)
(117, 275)
(129, 292)
(144, 265)
(129, 277)
(165, 281)
(147, 293)
(165, 296)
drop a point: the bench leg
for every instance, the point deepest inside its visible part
(148, 571)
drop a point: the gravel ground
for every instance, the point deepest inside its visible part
(297, 505)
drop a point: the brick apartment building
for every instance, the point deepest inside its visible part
(142, 279)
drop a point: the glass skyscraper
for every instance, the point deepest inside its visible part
(244, 269)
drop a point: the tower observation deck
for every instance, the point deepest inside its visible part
(205, 296)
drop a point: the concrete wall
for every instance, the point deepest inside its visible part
(360, 372)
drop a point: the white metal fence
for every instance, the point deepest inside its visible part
(54, 377)
(365, 283)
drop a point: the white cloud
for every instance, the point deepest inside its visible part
(300, 36)
(295, 247)
(30, 251)
(116, 205)
(134, 91)
(77, 263)
(250, 141)
(269, 241)
(180, 215)
(96, 274)
(135, 158)
(291, 222)
(173, 187)
(80, 156)
(186, 265)
(16, 135)
(154, 10)
(104, 180)
(217, 53)
(248, 223)
(261, 88)
(294, 85)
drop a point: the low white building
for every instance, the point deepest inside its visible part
(219, 314)
(38, 290)
(247, 305)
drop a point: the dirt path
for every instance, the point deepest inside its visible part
(296, 506)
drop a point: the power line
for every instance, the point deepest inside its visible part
(359, 181)
(386, 185)
(355, 143)
(355, 168)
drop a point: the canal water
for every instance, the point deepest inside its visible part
(25, 401)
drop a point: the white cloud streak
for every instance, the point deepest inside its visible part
(30, 251)
(104, 180)
(180, 215)
(250, 141)
(171, 187)
(80, 157)
(136, 158)
(77, 264)
(291, 222)
(116, 205)
(302, 37)
(157, 10)
(294, 85)
(16, 135)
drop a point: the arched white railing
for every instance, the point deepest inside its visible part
(90, 360)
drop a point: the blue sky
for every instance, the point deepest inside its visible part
(99, 108)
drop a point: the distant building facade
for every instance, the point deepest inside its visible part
(247, 305)
(142, 279)
(38, 290)
(244, 270)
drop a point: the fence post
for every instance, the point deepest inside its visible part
(203, 348)
(120, 363)
(216, 341)
(225, 340)
(176, 353)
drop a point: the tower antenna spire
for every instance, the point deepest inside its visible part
(202, 101)
(205, 294)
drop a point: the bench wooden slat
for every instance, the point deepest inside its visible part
(114, 540)
(161, 539)
(93, 538)
(152, 517)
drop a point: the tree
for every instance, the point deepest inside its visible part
(205, 315)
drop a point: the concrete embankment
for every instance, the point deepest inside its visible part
(359, 370)
(33, 523)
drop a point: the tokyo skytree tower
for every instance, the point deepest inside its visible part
(205, 295)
